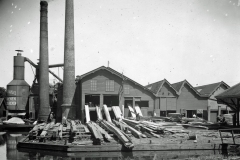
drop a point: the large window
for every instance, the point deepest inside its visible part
(126, 89)
(110, 85)
(93, 85)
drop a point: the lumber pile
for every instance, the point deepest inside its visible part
(124, 127)
(98, 138)
(105, 108)
(133, 114)
(87, 114)
(117, 112)
(138, 111)
(99, 113)
(52, 131)
(125, 140)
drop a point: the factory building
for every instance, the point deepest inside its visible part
(165, 97)
(107, 86)
(190, 101)
(182, 97)
(211, 90)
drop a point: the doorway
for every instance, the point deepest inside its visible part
(111, 100)
(92, 101)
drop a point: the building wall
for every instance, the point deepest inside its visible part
(189, 100)
(213, 103)
(135, 92)
(166, 100)
(166, 91)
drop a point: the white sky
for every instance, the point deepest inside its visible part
(147, 40)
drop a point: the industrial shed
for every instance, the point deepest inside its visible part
(166, 97)
(107, 86)
(211, 90)
(190, 101)
(231, 97)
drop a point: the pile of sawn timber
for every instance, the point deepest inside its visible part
(71, 129)
(76, 133)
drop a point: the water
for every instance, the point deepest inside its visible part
(9, 151)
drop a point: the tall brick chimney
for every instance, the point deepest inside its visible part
(43, 64)
(68, 106)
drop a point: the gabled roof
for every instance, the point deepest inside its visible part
(179, 85)
(113, 72)
(230, 97)
(155, 87)
(209, 89)
(233, 92)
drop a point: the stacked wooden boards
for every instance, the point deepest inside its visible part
(117, 112)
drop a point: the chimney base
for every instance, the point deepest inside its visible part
(69, 111)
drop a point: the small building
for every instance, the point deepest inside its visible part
(211, 90)
(190, 101)
(107, 86)
(166, 97)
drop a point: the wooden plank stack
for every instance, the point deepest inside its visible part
(105, 108)
(126, 141)
(133, 114)
(87, 114)
(117, 112)
(99, 113)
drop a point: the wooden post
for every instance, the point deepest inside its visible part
(133, 102)
(83, 108)
(219, 110)
(238, 105)
(101, 101)
(208, 112)
(122, 110)
(227, 111)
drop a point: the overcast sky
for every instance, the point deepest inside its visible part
(147, 40)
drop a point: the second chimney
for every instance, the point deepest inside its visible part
(43, 64)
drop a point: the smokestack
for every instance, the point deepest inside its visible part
(68, 106)
(43, 64)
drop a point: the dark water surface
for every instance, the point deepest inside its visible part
(9, 151)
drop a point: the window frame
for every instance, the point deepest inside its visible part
(110, 85)
(126, 89)
(93, 85)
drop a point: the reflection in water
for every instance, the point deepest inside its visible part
(9, 141)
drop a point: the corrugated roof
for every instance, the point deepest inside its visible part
(232, 92)
(209, 88)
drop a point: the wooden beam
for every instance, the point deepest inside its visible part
(238, 106)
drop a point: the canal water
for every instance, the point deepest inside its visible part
(9, 151)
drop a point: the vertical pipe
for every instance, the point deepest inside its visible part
(43, 64)
(68, 106)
